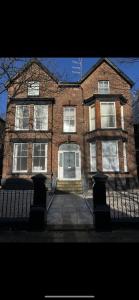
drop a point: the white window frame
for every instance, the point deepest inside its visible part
(93, 158)
(46, 158)
(90, 118)
(14, 170)
(101, 103)
(34, 125)
(125, 157)
(33, 88)
(110, 170)
(18, 117)
(74, 128)
(100, 90)
(122, 117)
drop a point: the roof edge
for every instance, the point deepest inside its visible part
(26, 66)
(99, 62)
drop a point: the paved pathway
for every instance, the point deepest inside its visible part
(69, 209)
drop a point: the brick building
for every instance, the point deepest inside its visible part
(70, 130)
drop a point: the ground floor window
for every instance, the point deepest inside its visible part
(93, 157)
(39, 157)
(20, 154)
(110, 157)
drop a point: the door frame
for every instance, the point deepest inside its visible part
(61, 169)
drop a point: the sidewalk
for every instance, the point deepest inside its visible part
(117, 236)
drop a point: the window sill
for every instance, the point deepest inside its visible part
(32, 130)
(108, 172)
(19, 172)
(75, 132)
(39, 171)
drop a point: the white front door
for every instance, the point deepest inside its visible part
(69, 165)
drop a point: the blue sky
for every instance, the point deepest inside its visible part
(63, 66)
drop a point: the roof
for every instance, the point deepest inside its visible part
(99, 62)
(27, 65)
(91, 99)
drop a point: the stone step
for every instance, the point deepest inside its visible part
(71, 182)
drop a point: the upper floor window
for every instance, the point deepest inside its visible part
(22, 117)
(103, 87)
(92, 118)
(108, 115)
(41, 117)
(33, 88)
(20, 157)
(69, 119)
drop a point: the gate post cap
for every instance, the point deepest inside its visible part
(100, 176)
(39, 176)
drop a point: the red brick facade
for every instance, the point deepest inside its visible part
(81, 96)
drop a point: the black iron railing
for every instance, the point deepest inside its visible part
(15, 203)
(123, 204)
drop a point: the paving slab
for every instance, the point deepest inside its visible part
(69, 209)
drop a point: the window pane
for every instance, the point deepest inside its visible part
(17, 149)
(61, 160)
(22, 117)
(110, 156)
(25, 123)
(42, 163)
(93, 157)
(93, 164)
(107, 121)
(92, 112)
(93, 149)
(17, 164)
(41, 117)
(23, 165)
(77, 159)
(25, 112)
(66, 126)
(36, 150)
